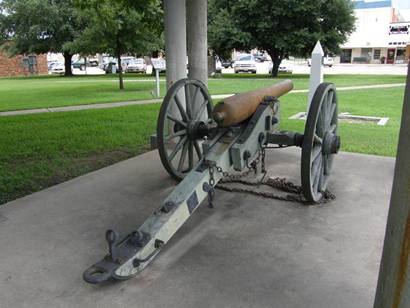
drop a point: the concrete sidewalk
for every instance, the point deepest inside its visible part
(246, 252)
(152, 101)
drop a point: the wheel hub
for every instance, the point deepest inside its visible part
(197, 130)
(331, 144)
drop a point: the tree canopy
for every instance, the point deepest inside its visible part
(119, 27)
(39, 26)
(279, 27)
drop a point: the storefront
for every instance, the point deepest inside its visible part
(381, 35)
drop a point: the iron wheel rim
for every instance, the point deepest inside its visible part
(321, 124)
(180, 145)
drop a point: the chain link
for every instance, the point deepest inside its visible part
(294, 192)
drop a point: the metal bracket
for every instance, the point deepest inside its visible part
(120, 251)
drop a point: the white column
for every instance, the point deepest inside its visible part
(175, 40)
(393, 288)
(316, 71)
(197, 40)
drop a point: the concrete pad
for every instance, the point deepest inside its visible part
(246, 252)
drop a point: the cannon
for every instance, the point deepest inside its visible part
(200, 144)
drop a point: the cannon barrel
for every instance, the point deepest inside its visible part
(237, 108)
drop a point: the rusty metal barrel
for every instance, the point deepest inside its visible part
(237, 108)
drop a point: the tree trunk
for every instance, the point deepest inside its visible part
(120, 71)
(276, 60)
(67, 64)
(275, 69)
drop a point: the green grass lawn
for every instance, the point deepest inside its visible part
(359, 138)
(54, 91)
(41, 150)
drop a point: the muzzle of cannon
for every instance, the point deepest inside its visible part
(200, 145)
(236, 109)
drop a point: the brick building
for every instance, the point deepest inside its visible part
(23, 65)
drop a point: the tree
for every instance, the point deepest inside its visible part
(39, 26)
(119, 27)
(279, 27)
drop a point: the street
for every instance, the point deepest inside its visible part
(371, 69)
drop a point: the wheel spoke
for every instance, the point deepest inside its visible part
(191, 155)
(188, 102)
(194, 101)
(316, 170)
(315, 153)
(183, 156)
(317, 139)
(181, 109)
(330, 97)
(333, 109)
(179, 145)
(332, 128)
(177, 134)
(173, 119)
(197, 149)
(321, 175)
(320, 125)
(330, 109)
(201, 110)
(328, 116)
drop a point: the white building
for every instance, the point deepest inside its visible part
(382, 34)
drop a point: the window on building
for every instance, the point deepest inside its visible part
(346, 56)
(376, 54)
(366, 54)
(401, 53)
(30, 63)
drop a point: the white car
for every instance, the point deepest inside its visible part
(136, 66)
(218, 66)
(284, 67)
(245, 63)
(327, 61)
(58, 68)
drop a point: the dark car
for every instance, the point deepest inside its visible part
(226, 63)
(259, 58)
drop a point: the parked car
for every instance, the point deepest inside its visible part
(108, 67)
(125, 61)
(245, 63)
(136, 66)
(227, 63)
(50, 64)
(79, 65)
(327, 61)
(57, 68)
(284, 67)
(260, 58)
(218, 66)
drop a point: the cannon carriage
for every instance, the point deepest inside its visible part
(200, 144)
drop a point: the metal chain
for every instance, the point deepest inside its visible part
(294, 191)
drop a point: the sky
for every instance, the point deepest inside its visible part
(403, 4)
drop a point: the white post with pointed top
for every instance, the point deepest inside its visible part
(316, 71)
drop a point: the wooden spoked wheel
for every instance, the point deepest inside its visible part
(320, 142)
(185, 109)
